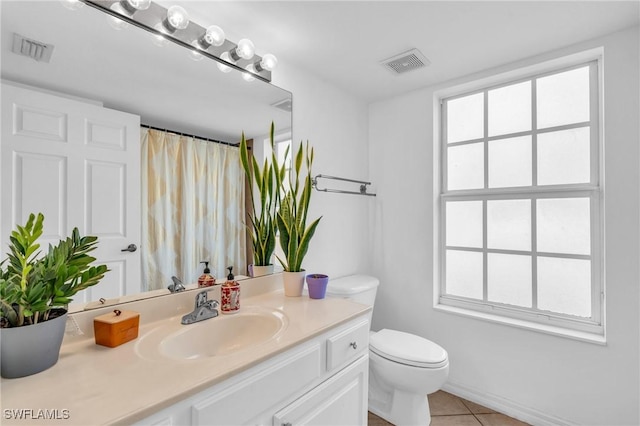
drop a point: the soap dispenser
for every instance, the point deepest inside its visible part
(230, 294)
(206, 279)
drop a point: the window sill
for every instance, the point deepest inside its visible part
(582, 336)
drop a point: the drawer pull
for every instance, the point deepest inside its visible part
(354, 345)
(286, 424)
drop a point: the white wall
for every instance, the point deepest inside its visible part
(538, 377)
(336, 125)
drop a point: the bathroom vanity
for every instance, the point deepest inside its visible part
(321, 381)
(280, 360)
(298, 360)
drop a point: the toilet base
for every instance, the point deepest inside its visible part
(404, 409)
(398, 393)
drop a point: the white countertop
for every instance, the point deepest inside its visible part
(93, 384)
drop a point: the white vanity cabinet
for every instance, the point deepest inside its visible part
(322, 381)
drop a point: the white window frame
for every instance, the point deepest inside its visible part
(592, 329)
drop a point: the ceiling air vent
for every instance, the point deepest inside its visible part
(37, 50)
(285, 105)
(408, 61)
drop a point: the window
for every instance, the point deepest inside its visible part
(520, 200)
(282, 147)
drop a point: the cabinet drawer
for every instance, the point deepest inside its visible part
(347, 344)
(241, 402)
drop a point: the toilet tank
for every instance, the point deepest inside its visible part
(358, 288)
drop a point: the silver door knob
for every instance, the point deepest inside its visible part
(131, 248)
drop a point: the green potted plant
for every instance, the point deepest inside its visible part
(35, 289)
(295, 235)
(262, 212)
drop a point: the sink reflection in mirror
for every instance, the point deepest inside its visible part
(219, 336)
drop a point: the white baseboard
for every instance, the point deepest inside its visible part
(505, 406)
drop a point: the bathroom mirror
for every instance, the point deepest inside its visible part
(127, 69)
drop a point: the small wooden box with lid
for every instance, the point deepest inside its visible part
(115, 328)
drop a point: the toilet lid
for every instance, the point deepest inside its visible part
(408, 349)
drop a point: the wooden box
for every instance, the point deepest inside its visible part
(116, 328)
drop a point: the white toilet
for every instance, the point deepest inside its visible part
(403, 368)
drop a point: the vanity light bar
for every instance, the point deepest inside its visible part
(153, 19)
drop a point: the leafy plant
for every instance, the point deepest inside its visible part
(268, 180)
(292, 216)
(31, 286)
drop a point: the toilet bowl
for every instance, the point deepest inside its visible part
(403, 367)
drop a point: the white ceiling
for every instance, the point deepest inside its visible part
(344, 41)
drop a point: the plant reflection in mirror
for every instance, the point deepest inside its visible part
(262, 212)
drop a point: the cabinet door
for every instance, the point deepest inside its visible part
(341, 400)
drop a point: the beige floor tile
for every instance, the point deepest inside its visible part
(444, 404)
(477, 408)
(374, 420)
(498, 419)
(468, 420)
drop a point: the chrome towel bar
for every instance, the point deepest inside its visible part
(363, 185)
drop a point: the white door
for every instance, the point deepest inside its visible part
(79, 164)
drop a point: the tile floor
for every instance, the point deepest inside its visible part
(450, 410)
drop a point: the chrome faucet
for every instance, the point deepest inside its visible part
(176, 286)
(204, 309)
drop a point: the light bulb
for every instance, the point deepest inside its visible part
(268, 63)
(138, 4)
(177, 19)
(72, 4)
(214, 36)
(248, 75)
(222, 67)
(244, 50)
(130, 7)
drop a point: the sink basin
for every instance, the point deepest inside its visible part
(220, 336)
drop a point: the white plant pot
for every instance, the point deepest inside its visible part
(258, 271)
(293, 283)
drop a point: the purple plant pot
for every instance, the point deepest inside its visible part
(317, 284)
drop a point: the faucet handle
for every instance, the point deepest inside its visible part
(201, 298)
(176, 286)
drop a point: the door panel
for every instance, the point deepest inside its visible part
(45, 175)
(39, 123)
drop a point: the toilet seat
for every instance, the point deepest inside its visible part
(408, 349)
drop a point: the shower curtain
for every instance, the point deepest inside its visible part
(192, 208)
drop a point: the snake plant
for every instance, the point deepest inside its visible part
(292, 216)
(262, 216)
(31, 285)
